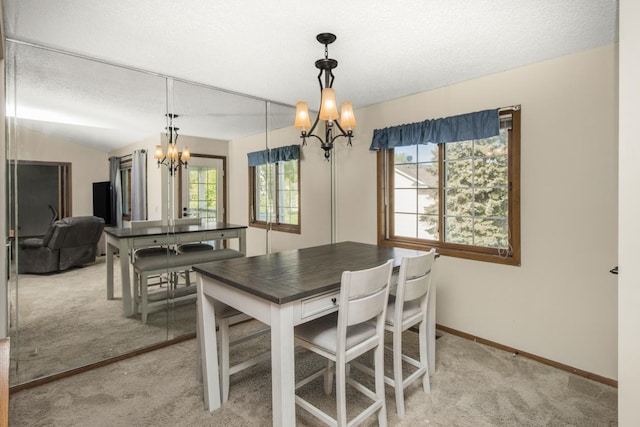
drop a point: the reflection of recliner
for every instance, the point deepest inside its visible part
(68, 242)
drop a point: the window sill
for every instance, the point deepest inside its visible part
(294, 229)
(456, 252)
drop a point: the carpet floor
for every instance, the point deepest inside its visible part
(473, 385)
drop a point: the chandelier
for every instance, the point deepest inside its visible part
(174, 159)
(328, 113)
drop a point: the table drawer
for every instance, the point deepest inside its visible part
(139, 242)
(319, 305)
(229, 234)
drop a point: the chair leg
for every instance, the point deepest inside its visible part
(223, 328)
(136, 291)
(379, 380)
(144, 297)
(341, 393)
(328, 378)
(424, 358)
(187, 279)
(397, 372)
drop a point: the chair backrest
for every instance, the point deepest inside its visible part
(187, 221)
(414, 281)
(363, 296)
(145, 223)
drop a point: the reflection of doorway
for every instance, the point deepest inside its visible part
(202, 194)
(43, 195)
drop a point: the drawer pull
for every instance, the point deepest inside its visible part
(334, 300)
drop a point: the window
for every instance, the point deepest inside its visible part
(459, 197)
(275, 196)
(125, 181)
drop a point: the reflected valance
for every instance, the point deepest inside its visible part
(280, 154)
(478, 125)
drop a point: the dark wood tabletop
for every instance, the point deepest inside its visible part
(287, 276)
(123, 233)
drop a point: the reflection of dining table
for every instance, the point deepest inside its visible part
(284, 289)
(122, 240)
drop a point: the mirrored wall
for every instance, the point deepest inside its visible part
(66, 117)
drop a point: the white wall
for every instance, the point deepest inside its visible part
(629, 232)
(561, 304)
(87, 165)
(315, 193)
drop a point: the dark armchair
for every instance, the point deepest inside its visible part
(68, 242)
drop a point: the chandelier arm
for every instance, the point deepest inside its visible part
(315, 136)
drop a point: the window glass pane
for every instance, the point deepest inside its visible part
(405, 200)
(264, 202)
(428, 227)
(405, 175)
(458, 230)
(491, 147)
(491, 232)
(405, 154)
(288, 211)
(458, 201)
(490, 172)
(427, 153)
(490, 202)
(428, 175)
(458, 150)
(458, 173)
(428, 201)
(404, 225)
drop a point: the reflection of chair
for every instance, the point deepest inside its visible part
(152, 251)
(406, 309)
(190, 247)
(357, 328)
(69, 242)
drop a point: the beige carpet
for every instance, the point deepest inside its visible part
(474, 385)
(65, 321)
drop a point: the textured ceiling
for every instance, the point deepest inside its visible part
(267, 49)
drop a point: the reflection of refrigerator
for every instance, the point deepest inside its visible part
(102, 201)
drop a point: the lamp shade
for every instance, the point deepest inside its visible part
(186, 155)
(328, 107)
(302, 116)
(347, 118)
(158, 154)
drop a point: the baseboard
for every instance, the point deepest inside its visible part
(558, 365)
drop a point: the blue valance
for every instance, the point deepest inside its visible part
(479, 125)
(280, 154)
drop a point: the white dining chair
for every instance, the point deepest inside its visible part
(357, 327)
(408, 308)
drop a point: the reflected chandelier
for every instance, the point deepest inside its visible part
(328, 108)
(174, 159)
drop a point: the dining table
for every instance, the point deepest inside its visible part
(282, 290)
(120, 240)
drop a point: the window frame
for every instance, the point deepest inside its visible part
(276, 225)
(385, 180)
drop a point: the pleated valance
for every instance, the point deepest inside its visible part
(280, 154)
(479, 125)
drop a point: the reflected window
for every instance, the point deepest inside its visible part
(125, 179)
(275, 196)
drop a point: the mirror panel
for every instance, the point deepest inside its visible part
(67, 110)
